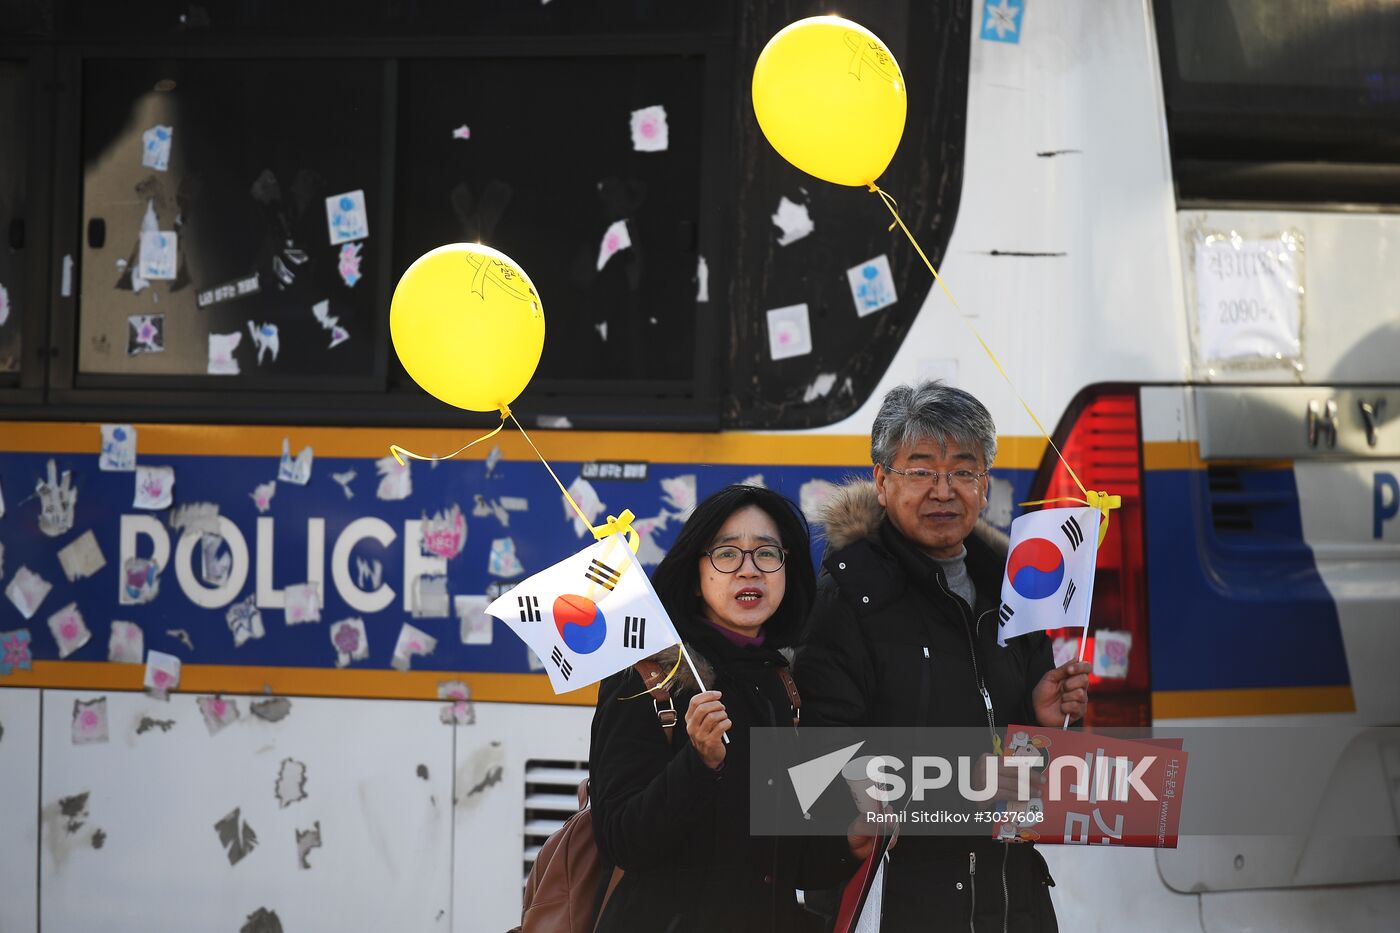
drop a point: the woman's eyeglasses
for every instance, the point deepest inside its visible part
(728, 559)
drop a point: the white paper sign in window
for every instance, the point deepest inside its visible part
(1249, 296)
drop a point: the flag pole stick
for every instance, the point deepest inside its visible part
(1083, 639)
(696, 674)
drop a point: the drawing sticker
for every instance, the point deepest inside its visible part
(81, 557)
(349, 265)
(1001, 21)
(14, 651)
(412, 643)
(679, 493)
(587, 499)
(158, 256)
(348, 637)
(789, 332)
(649, 130)
(346, 217)
(244, 620)
(57, 501)
(27, 591)
(344, 480)
(118, 448)
(155, 148)
(162, 674)
(262, 495)
(265, 340)
(145, 334)
(615, 240)
(430, 597)
(502, 561)
(291, 782)
(236, 836)
(221, 358)
(445, 533)
(395, 479)
(215, 561)
(69, 631)
(155, 487)
(462, 132)
(298, 470)
(302, 603)
(476, 626)
(140, 581)
(493, 460)
(89, 721)
(196, 517)
(126, 644)
(813, 497)
(1111, 652)
(459, 710)
(872, 285)
(218, 713)
(793, 221)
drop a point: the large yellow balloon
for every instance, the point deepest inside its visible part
(468, 326)
(830, 98)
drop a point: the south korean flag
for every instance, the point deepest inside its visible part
(588, 616)
(1049, 577)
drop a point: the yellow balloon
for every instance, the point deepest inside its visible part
(831, 99)
(468, 326)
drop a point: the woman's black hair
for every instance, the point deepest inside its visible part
(677, 577)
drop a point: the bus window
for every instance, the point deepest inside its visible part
(14, 117)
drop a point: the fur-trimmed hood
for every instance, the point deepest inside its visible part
(854, 512)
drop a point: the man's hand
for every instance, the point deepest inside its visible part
(706, 722)
(1062, 691)
(861, 835)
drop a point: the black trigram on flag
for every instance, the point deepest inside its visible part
(634, 632)
(564, 666)
(529, 608)
(1006, 613)
(601, 574)
(1073, 532)
(1069, 595)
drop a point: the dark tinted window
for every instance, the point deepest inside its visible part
(14, 111)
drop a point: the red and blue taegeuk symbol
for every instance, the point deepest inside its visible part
(580, 623)
(1036, 568)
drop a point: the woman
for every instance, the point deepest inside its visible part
(673, 811)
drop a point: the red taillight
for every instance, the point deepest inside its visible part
(1101, 438)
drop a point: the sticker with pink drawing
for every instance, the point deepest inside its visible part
(69, 631)
(412, 643)
(14, 652)
(162, 674)
(90, 721)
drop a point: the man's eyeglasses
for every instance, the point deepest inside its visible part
(962, 480)
(728, 559)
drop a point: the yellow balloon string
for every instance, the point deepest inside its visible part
(675, 669)
(396, 450)
(1096, 497)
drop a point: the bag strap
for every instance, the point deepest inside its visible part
(651, 675)
(794, 698)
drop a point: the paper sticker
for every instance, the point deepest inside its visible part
(273, 709)
(349, 265)
(14, 652)
(430, 597)
(27, 591)
(344, 480)
(215, 561)
(459, 710)
(395, 479)
(347, 218)
(503, 562)
(140, 582)
(789, 332)
(238, 288)
(1249, 296)
(155, 151)
(81, 557)
(369, 574)
(4, 305)
(69, 631)
(244, 621)
(158, 256)
(793, 221)
(1111, 653)
(330, 323)
(221, 358)
(291, 782)
(145, 333)
(351, 644)
(813, 497)
(57, 501)
(445, 533)
(126, 644)
(89, 721)
(820, 387)
(649, 130)
(155, 487)
(218, 713)
(302, 603)
(872, 285)
(476, 625)
(196, 518)
(162, 674)
(587, 499)
(297, 471)
(702, 280)
(483, 509)
(182, 636)
(614, 241)
(307, 839)
(493, 459)
(237, 837)
(678, 492)
(118, 448)
(462, 132)
(412, 643)
(265, 340)
(262, 495)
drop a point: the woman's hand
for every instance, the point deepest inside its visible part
(706, 722)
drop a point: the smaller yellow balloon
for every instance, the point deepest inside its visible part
(468, 326)
(831, 99)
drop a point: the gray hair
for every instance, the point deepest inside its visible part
(931, 410)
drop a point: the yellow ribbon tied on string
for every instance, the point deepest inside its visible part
(1101, 501)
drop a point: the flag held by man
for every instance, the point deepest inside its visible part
(1049, 578)
(590, 615)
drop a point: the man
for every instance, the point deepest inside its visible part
(904, 633)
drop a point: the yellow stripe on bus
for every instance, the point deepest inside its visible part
(1254, 701)
(743, 448)
(302, 681)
